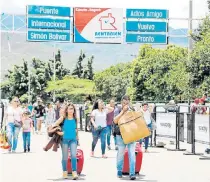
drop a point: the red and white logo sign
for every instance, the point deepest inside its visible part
(107, 22)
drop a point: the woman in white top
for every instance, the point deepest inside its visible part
(13, 117)
(98, 120)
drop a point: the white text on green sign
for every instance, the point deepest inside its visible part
(144, 26)
(48, 23)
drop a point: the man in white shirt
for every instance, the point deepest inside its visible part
(147, 117)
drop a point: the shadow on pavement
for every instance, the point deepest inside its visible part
(69, 179)
(153, 152)
(138, 178)
(17, 153)
(95, 157)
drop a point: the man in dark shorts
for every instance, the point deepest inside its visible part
(39, 113)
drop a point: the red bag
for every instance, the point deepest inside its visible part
(80, 162)
(139, 156)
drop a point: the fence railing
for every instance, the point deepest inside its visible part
(182, 125)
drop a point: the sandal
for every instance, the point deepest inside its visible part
(92, 154)
(104, 157)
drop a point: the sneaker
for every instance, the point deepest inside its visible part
(109, 148)
(65, 175)
(74, 175)
(116, 147)
(119, 174)
(24, 150)
(132, 177)
(29, 150)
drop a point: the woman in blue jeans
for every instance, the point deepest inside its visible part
(13, 115)
(99, 129)
(70, 138)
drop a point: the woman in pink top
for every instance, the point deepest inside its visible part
(13, 115)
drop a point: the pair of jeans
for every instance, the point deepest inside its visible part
(35, 123)
(12, 135)
(66, 145)
(26, 140)
(131, 155)
(146, 139)
(102, 134)
(109, 133)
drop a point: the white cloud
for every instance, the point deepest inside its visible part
(177, 8)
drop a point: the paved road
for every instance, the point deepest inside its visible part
(159, 165)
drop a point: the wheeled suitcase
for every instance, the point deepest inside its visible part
(80, 162)
(139, 156)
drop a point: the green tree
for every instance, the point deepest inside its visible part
(203, 28)
(17, 81)
(114, 81)
(88, 69)
(199, 66)
(59, 67)
(152, 73)
(72, 88)
(78, 71)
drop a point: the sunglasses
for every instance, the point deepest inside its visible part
(16, 100)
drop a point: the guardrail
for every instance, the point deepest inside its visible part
(182, 125)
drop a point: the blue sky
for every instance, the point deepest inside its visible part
(177, 8)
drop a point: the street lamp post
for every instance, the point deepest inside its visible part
(54, 69)
(29, 83)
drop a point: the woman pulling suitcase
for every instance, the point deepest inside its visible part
(70, 139)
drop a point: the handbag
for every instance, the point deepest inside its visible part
(17, 124)
(4, 143)
(1, 136)
(116, 129)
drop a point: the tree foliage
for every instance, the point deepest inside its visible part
(114, 81)
(199, 66)
(84, 71)
(78, 71)
(202, 29)
(156, 74)
(17, 83)
(72, 88)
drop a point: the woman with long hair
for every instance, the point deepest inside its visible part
(13, 119)
(99, 123)
(68, 122)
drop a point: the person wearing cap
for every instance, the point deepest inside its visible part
(27, 128)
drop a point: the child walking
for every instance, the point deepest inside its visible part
(27, 128)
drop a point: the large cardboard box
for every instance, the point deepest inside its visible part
(133, 127)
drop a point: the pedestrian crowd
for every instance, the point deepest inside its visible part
(61, 120)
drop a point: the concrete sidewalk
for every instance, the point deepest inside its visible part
(159, 165)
